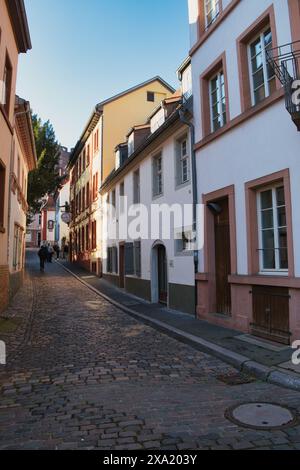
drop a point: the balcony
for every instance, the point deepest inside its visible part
(285, 61)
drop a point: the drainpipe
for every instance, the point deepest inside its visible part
(195, 192)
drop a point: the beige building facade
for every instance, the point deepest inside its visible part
(14, 39)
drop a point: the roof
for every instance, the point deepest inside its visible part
(183, 66)
(136, 87)
(18, 17)
(25, 131)
(98, 110)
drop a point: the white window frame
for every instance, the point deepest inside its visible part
(220, 98)
(184, 159)
(215, 7)
(261, 35)
(277, 270)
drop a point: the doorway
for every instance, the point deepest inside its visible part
(159, 277)
(222, 256)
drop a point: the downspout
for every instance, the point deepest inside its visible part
(194, 191)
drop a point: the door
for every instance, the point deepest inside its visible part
(222, 257)
(122, 265)
(162, 275)
(271, 313)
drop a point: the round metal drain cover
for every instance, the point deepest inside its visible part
(262, 416)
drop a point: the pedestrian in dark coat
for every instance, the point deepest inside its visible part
(50, 253)
(56, 249)
(43, 254)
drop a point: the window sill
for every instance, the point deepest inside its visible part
(265, 280)
(182, 185)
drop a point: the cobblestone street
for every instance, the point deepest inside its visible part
(82, 374)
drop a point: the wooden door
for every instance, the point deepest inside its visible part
(271, 313)
(222, 258)
(162, 275)
(122, 265)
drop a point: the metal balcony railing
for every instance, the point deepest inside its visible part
(285, 61)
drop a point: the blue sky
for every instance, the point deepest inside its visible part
(87, 50)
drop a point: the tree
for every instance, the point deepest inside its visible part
(45, 178)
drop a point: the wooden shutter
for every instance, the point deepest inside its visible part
(137, 258)
(129, 269)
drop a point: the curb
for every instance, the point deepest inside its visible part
(271, 375)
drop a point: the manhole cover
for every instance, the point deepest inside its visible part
(262, 416)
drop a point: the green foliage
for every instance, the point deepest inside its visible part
(44, 179)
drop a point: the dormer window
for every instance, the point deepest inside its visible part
(212, 10)
(150, 96)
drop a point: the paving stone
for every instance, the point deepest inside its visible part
(89, 376)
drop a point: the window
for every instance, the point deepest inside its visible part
(87, 195)
(88, 155)
(122, 195)
(150, 96)
(262, 75)
(211, 10)
(112, 259)
(95, 186)
(87, 238)
(157, 176)
(83, 199)
(136, 187)
(94, 235)
(272, 225)
(7, 84)
(113, 198)
(83, 160)
(96, 141)
(2, 194)
(183, 170)
(83, 238)
(185, 242)
(217, 101)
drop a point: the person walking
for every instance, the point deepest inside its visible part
(56, 249)
(42, 253)
(66, 251)
(50, 252)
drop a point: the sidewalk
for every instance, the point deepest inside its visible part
(264, 359)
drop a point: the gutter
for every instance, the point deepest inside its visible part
(195, 191)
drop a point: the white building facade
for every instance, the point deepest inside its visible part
(248, 166)
(152, 258)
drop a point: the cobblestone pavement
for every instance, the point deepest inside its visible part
(83, 374)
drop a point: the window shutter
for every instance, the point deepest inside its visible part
(129, 259)
(115, 258)
(137, 258)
